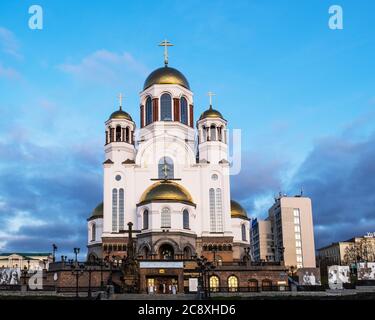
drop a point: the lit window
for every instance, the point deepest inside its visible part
(299, 259)
(298, 244)
(165, 218)
(297, 229)
(299, 251)
(296, 220)
(298, 236)
(214, 283)
(232, 283)
(166, 107)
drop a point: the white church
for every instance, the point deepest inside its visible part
(170, 180)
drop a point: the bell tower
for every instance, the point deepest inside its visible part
(212, 133)
(119, 136)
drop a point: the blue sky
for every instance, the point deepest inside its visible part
(302, 94)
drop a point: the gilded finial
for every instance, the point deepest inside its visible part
(211, 94)
(120, 97)
(165, 44)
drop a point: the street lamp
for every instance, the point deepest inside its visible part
(205, 267)
(54, 249)
(76, 252)
(77, 272)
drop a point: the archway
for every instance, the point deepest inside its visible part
(166, 252)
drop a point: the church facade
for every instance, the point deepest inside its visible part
(171, 181)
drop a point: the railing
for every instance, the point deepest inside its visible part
(80, 289)
(249, 289)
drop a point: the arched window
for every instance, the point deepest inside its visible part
(148, 111)
(127, 134)
(114, 210)
(145, 219)
(184, 110)
(166, 107)
(185, 218)
(187, 253)
(243, 232)
(121, 210)
(166, 168)
(118, 134)
(93, 232)
(219, 211)
(232, 284)
(212, 210)
(204, 134)
(165, 218)
(213, 133)
(214, 283)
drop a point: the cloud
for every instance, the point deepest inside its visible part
(9, 44)
(103, 66)
(47, 192)
(339, 176)
(261, 177)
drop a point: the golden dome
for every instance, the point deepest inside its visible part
(97, 212)
(211, 113)
(237, 211)
(168, 191)
(166, 75)
(120, 114)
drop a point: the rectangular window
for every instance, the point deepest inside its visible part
(296, 213)
(298, 236)
(296, 220)
(212, 211)
(299, 251)
(219, 211)
(114, 210)
(297, 229)
(299, 259)
(298, 244)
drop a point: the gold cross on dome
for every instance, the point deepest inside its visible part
(120, 97)
(165, 44)
(211, 94)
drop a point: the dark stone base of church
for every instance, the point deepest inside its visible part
(161, 279)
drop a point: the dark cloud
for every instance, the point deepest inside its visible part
(56, 187)
(339, 176)
(260, 177)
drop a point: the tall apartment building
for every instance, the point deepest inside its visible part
(287, 234)
(292, 223)
(262, 240)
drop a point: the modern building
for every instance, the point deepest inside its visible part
(287, 234)
(262, 244)
(293, 227)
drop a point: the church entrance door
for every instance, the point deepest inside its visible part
(162, 285)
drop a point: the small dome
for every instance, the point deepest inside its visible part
(237, 211)
(120, 114)
(166, 191)
(98, 211)
(166, 75)
(211, 113)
